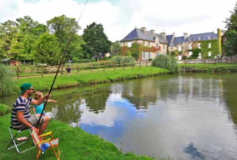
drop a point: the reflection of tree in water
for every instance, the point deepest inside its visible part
(69, 107)
(96, 99)
(230, 94)
(141, 92)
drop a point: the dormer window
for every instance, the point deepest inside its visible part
(199, 38)
(190, 39)
(157, 45)
(209, 37)
(143, 43)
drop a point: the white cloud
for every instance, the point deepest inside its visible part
(118, 20)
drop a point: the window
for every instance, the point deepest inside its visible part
(163, 46)
(157, 45)
(209, 54)
(209, 37)
(143, 43)
(179, 49)
(199, 38)
(129, 44)
(157, 53)
(190, 39)
(190, 54)
(190, 46)
(148, 44)
(143, 55)
(149, 55)
(209, 45)
(199, 45)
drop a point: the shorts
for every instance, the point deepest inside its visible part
(33, 120)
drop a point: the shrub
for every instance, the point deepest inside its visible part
(167, 62)
(117, 59)
(86, 60)
(184, 57)
(74, 60)
(4, 109)
(7, 83)
(128, 53)
(150, 59)
(174, 53)
(128, 59)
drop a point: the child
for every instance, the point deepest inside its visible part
(38, 109)
(68, 70)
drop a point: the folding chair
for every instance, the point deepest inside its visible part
(41, 140)
(15, 144)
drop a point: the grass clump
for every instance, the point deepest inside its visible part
(4, 109)
(166, 62)
(7, 83)
(124, 59)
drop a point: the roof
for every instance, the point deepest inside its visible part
(139, 34)
(179, 40)
(203, 36)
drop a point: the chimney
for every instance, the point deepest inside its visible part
(163, 34)
(185, 35)
(143, 29)
(152, 31)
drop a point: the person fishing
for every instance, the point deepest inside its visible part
(20, 116)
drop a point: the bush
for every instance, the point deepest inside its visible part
(167, 62)
(7, 83)
(117, 59)
(150, 59)
(174, 53)
(4, 109)
(128, 59)
(184, 57)
(128, 53)
(74, 60)
(125, 59)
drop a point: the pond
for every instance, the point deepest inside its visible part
(187, 116)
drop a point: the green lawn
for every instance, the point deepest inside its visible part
(220, 67)
(74, 144)
(82, 79)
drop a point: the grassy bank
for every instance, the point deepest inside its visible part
(208, 67)
(83, 79)
(4, 109)
(73, 144)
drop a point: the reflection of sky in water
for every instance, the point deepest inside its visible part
(110, 123)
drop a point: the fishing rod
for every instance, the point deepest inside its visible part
(60, 64)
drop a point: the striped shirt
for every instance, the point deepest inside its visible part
(22, 105)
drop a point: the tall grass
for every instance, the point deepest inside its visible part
(166, 62)
(7, 83)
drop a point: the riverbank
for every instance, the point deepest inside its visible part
(208, 68)
(74, 143)
(83, 79)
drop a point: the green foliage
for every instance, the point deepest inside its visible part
(115, 48)
(86, 60)
(135, 50)
(96, 40)
(46, 49)
(175, 53)
(230, 43)
(180, 53)
(184, 57)
(74, 60)
(150, 59)
(7, 83)
(117, 59)
(128, 59)
(195, 53)
(205, 48)
(128, 53)
(4, 109)
(166, 61)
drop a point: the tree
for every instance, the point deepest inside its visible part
(230, 43)
(46, 49)
(62, 27)
(96, 40)
(115, 48)
(135, 50)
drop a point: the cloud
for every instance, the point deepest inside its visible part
(121, 17)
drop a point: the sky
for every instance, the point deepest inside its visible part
(120, 17)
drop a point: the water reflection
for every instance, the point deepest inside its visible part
(158, 116)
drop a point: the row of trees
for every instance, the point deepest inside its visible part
(230, 42)
(26, 39)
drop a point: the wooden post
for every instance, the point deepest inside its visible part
(114, 65)
(140, 64)
(123, 65)
(77, 68)
(146, 63)
(132, 65)
(61, 69)
(18, 71)
(104, 66)
(91, 67)
(42, 70)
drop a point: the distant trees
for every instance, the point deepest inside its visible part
(230, 44)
